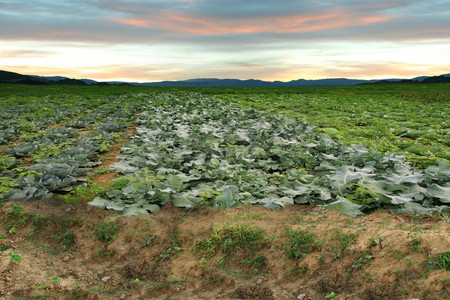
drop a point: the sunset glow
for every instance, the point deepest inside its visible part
(270, 40)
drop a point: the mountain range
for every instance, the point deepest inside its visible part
(11, 77)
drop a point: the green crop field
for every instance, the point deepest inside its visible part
(340, 147)
(401, 119)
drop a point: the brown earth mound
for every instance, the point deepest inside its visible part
(59, 251)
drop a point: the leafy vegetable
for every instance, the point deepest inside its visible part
(192, 143)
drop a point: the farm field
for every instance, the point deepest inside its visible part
(81, 168)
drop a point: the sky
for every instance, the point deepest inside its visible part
(144, 41)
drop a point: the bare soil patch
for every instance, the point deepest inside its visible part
(67, 252)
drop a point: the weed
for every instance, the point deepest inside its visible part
(119, 183)
(56, 279)
(233, 241)
(397, 254)
(16, 209)
(362, 261)
(67, 240)
(103, 252)
(295, 270)
(3, 246)
(344, 240)
(440, 261)
(372, 242)
(15, 257)
(106, 231)
(40, 295)
(133, 282)
(257, 263)
(17, 218)
(148, 240)
(444, 261)
(85, 193)
(175, 247)
(102, 171)
(416, 219)
(416, 241)
(229, 238)
(299, 244)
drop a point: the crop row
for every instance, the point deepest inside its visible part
(52, 160)
(196, 150)
(389, 124)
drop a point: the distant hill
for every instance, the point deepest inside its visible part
(11, 77)
(214, 82)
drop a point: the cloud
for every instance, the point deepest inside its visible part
(384, 69)
(181, 39)
(13, 53)
(292, 23)
(206, 22)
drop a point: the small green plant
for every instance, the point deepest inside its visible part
(176, 246)
(440, 261)
(295, 270)
(230, 237)
(362, 261)
(372, 242)
(148, 241)
(106, 231)
(235, 241)
(104, 252)
(101, 171)
(3, 246)
(257, 263)
(15, 257)
(299, 244)
(16, 208)
(76, 289)
(344, 240)
(132, 282)
(56, 279)
(67, 240)
(85, 193)
(444, 261)
(416, 241)
(40, 294)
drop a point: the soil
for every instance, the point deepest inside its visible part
(111, 157)
(141, 261)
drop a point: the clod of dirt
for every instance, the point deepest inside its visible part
(253, 292)
(439, 287)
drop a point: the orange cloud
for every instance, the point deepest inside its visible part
(278, 24)
(386, 69)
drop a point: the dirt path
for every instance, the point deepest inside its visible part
(81, 252)
(111, 157)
